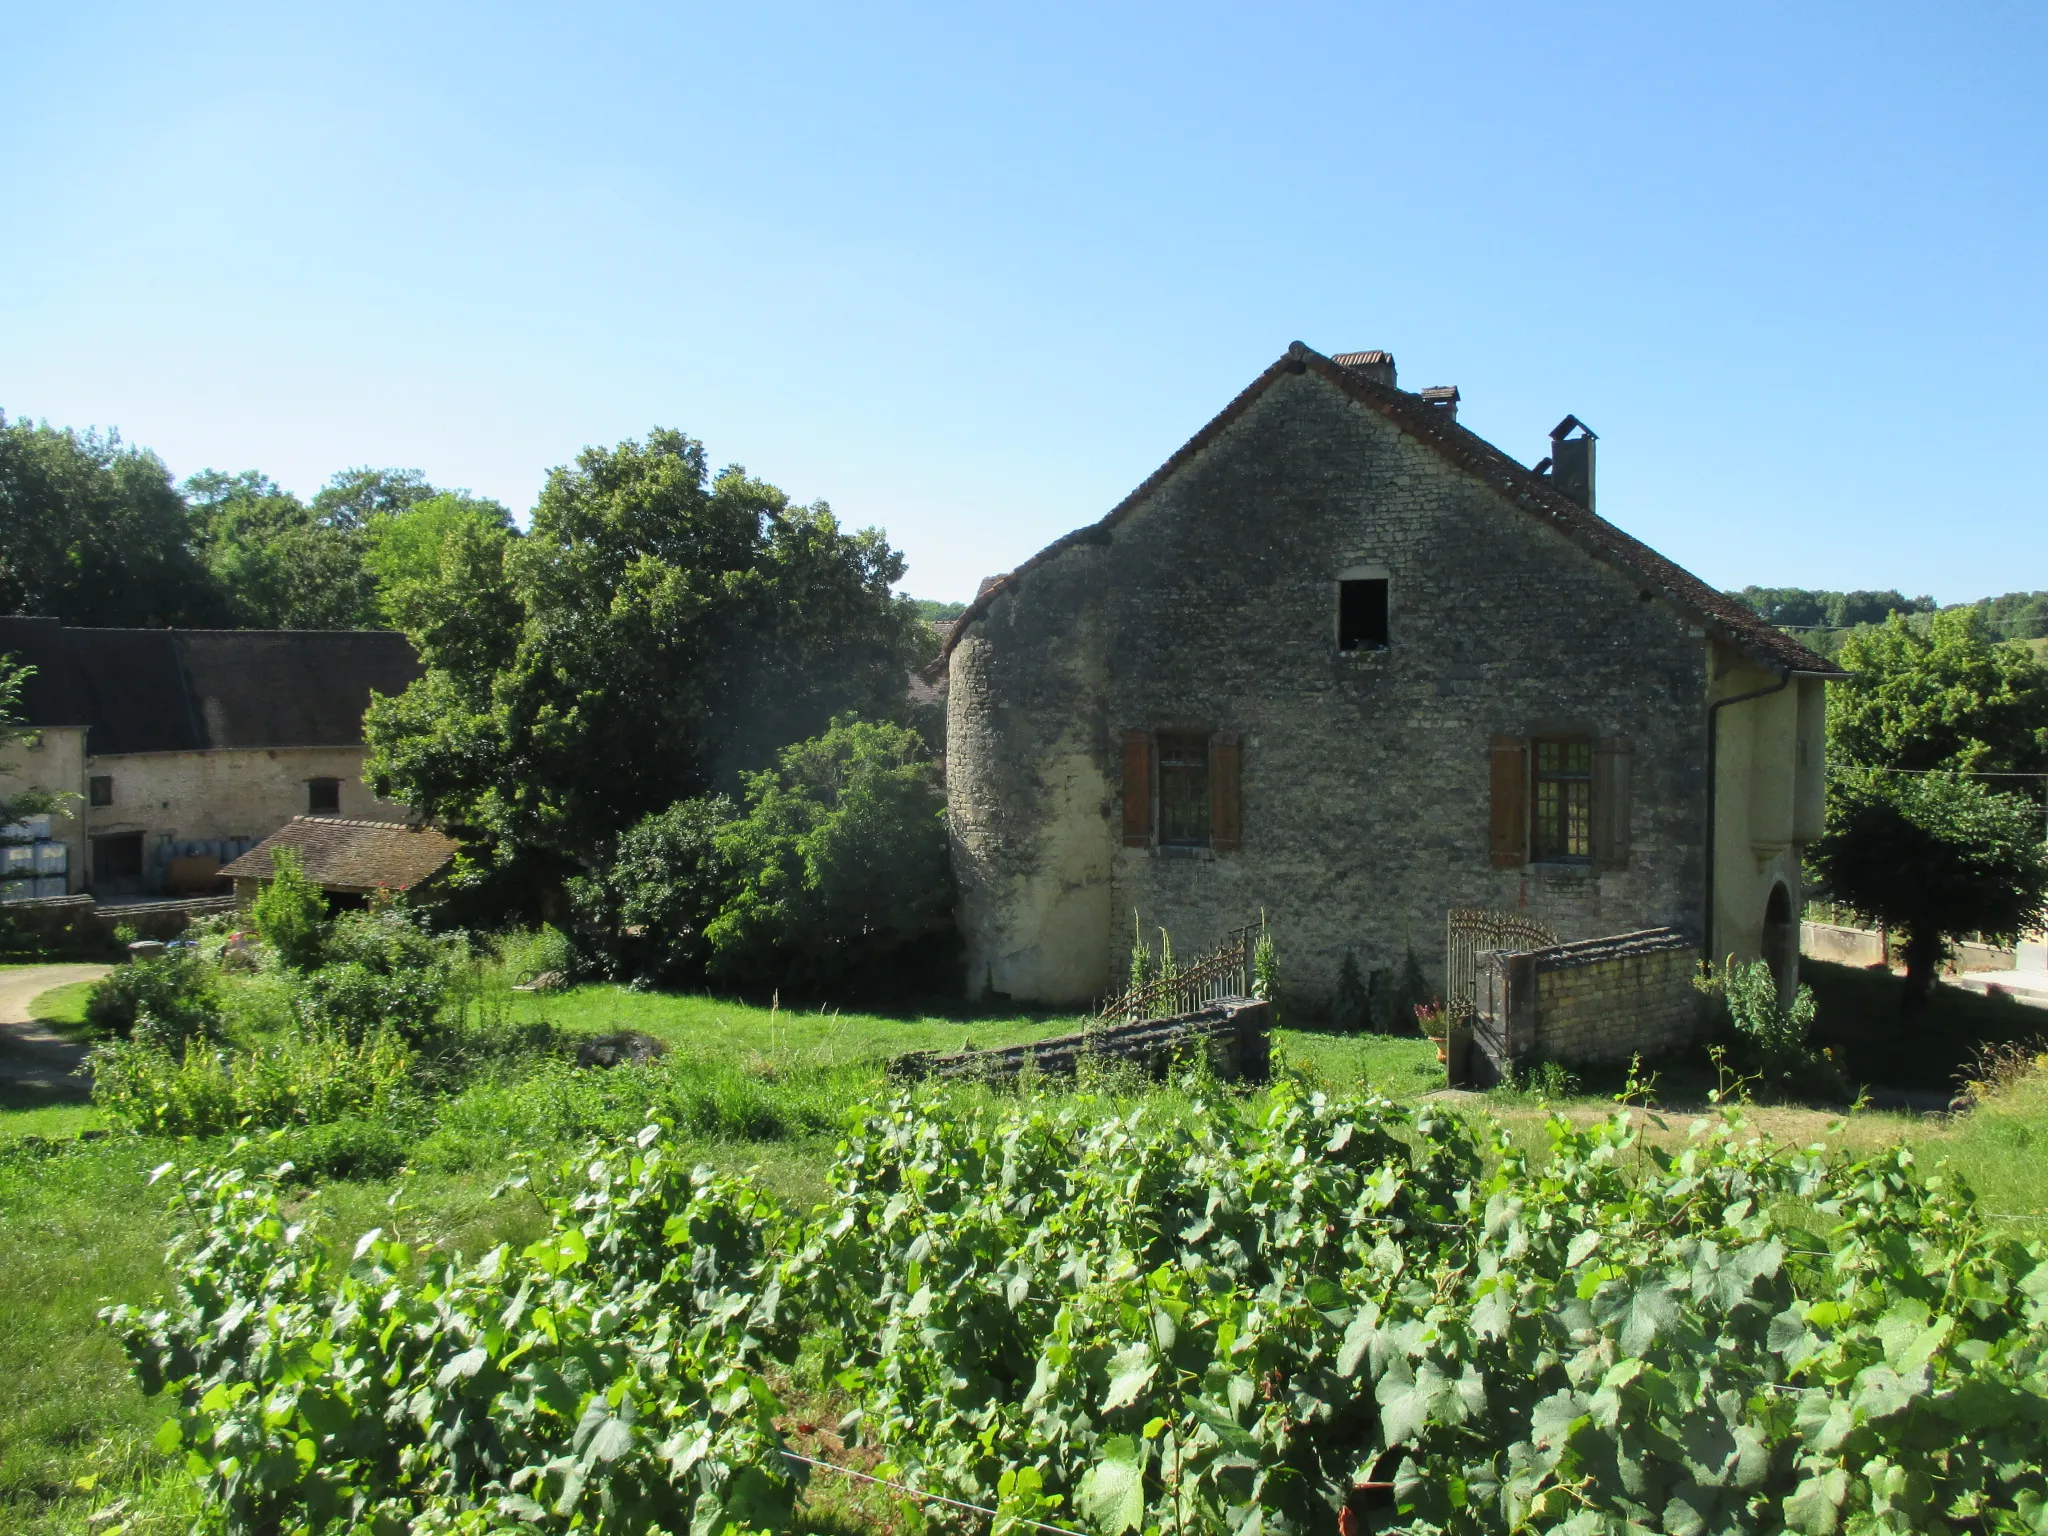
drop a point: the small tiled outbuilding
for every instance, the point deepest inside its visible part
(349, 860)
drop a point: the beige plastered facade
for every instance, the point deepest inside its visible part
(177, 797)
(1770, 781)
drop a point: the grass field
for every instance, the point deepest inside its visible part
(755, 1087)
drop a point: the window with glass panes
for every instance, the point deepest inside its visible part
(1183, 790)
(1562, 824)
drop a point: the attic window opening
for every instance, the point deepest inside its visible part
(1362, 613)
(100, 789)
(323, 796)
(1183, 790)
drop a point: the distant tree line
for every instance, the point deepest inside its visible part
(94, 531)
(2012, 616)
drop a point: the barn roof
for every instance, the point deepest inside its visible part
(189, 690)
(340, 854)
(1727, 617)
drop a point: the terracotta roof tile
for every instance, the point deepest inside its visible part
(340, 854)
(1728, 617)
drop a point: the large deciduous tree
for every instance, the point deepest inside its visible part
(1935, 857)
(1939, 692)
(278, 563)
(656, 633)
(93, 531)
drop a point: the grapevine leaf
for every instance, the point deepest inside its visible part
(1812, 1509)
(1112, 1492)
(466, 1364)
(1637, 1312)
(1882, 1391)
(1581, 1248)
(1130, 1371)
(1358, 1338)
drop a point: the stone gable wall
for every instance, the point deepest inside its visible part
(1365, 790)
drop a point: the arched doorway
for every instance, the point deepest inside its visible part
(1781, 939)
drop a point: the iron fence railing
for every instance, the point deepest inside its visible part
(1225, 972)
(1469, 932)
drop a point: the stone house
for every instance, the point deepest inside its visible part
(1341, 662)
(178, 750)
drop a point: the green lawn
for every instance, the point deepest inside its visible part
(62, 1009)
(748, 1087)
(824, 1036)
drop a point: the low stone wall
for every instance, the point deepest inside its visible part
(1862, 946)
(1236, 1032)
(1593, 1002)
(79, 924)
(1840, 945)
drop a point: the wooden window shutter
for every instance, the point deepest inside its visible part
(1226, 829)
(1612, 760)
(1137, 789)
(1510, 819)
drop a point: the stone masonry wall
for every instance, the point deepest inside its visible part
(1605, 1000)
(1365, 790)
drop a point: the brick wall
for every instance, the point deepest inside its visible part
(1595, 1001)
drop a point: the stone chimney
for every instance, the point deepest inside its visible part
(1444, 397)
(1377, 366)
(1571, 459)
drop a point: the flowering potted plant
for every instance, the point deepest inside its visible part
(1452, 1040)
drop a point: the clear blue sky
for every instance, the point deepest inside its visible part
(971, 274)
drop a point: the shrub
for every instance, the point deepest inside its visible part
(383, 970)
(1774, 1035)
(306, 1079)
(172, 999)
(290, 912)
(838, 874)
(643, 917)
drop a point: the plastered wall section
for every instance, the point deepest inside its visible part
(1365, 777)
(1770, 797)
(1028, 792)
(1611, 1000)
(189, 796)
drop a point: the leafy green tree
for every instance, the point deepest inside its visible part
(403, 550)
(643, 916)
(1933, 857)
(277, 563)
(838, 873)
(356, 498)
(93, 531)
(1939, 693)
(657, 633)
(290, 913)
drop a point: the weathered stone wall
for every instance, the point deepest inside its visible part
(1365, 790)
(1605, 1000)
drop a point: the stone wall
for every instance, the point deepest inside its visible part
(1597, 1001)
(1211, 607)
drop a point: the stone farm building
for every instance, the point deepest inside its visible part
(180, 749)
(1345, 663)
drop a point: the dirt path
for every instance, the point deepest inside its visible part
(31, 1055)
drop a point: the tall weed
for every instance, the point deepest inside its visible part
(309, 1078)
